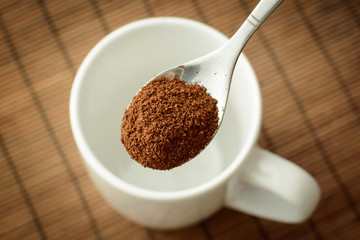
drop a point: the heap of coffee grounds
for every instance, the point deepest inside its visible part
(168, 123)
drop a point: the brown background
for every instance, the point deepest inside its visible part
(307, 58)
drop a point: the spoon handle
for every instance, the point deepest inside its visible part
(247, 29)
(262, 11)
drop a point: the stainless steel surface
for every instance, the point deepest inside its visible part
(214, 70)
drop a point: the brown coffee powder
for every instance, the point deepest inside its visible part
(168, 123)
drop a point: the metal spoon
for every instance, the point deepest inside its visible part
(214, 70)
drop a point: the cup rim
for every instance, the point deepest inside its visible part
(91, 160)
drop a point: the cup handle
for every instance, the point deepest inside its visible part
(273, 188)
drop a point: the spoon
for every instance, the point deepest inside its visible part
(214, 70)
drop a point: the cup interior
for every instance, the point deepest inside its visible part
(124, 61)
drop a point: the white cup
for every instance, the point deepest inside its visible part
(232, 171)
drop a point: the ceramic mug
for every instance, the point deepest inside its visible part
(232, 171)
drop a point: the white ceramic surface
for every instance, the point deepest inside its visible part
(232, 171)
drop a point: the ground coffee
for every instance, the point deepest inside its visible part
(168, 123)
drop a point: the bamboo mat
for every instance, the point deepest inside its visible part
(307, 59)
